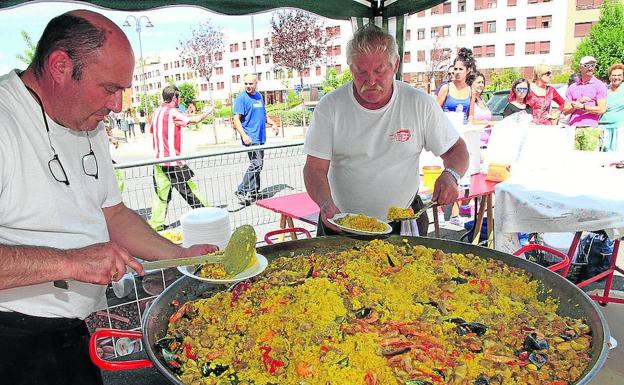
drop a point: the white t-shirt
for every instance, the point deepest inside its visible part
(36, 210)
(374, 153)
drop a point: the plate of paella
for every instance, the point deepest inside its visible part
(360, 224)
(215, 273)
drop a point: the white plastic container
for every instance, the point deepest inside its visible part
(209, 225)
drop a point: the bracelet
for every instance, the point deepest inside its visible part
(454, 174)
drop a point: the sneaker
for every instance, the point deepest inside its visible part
(244, 199)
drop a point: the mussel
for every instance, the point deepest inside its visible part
(165, 342)
(484, 380)
(363, 312)
(417, 382)
(568, 334)
(531, 343)
(391, 262)
(538, 359)
(459, 280)
(209, 368)
(470, 327)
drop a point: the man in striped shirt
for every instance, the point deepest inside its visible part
(167, 125)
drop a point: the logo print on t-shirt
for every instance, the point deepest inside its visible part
(401, 135)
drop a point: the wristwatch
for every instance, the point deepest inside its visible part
(453, 173)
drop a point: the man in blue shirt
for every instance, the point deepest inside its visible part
(250, 120)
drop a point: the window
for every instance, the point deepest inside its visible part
(531, 22)
(587, 4)
(421, 14)
(511, 3)
(244, 45)
(421, 34)
(338, 68)
(435, 10)
(406, 77)
(244, 62)
(491, 26)
(544, 47)
(221, 85)
(219, 71)
(204, 87)
(582, 29)
(257, 43)
(461, 30)
(407, 57)
(510, 49)
(446, 30)
(408, 35)
(267, 75)
(420, 56)
(177, 64)
(446, 7)
(477, 29)
(480, 4)
(166, 66)
(435, 32)
(177, 77)
(318, 71)
(461, 6)
(477, 51)
(490, 50)
(266, 58)
(266, 41)
(491, 4)
(511, 25)
(306, 72)
(529, 48)
(546, 21)
(258, 61)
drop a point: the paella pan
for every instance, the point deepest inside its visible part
(398, 341)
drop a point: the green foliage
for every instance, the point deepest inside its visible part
(605, 41)
(292, 98)
(223, 112)
(333, 79)
(293, 117)
(29, 52)
(188, 93)
(218, 104)
(153, 103)
(502, 80)
(587, 138)
(561, 78)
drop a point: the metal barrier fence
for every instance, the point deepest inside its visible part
(218, 174)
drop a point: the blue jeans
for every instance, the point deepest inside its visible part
(251, 181)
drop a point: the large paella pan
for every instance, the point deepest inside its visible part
(399, 337)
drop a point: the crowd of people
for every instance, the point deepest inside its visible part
(594, 108)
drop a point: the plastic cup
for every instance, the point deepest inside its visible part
(430, 175)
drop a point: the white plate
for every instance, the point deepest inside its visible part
(387, 230)
(245, 274)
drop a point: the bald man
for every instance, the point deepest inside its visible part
(250, 119)
(64, 231)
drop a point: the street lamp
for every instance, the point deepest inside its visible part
(137, 23)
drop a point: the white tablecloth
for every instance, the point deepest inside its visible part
(582, 196)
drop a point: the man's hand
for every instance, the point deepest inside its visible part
(246, 139)
(276, 129)
(100, 263)
(196, 250)
(445, 190)
(585, 99)
(329, 210)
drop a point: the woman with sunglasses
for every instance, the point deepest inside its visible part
(613, 119)
(517, 98)
(541, 94)
(457, 94)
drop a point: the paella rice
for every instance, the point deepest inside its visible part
(397, 213)
(361, 222)
(378, 314)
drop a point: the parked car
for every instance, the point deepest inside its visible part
(499, 100)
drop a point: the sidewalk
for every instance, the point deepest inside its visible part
(194, 140)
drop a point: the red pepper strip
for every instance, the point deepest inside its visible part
(270, 364)
(188, 350)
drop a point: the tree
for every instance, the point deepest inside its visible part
(605, 39)
(203, 51)
(298, 41)
(438, 63)
(188, 93)
(333, 79)
(502, 80)
(29, 52)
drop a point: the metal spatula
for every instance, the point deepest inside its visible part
(238, 253)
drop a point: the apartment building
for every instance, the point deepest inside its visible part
(502, 34)
(242, 55)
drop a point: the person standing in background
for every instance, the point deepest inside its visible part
(586, 101)
(142, 121)
(613, 119)
(517, 98)
(250, 119)
(541, 94)
(457, 95)
(167, 125)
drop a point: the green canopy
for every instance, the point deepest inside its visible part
(333, 9)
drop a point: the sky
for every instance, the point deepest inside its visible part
(170, 25)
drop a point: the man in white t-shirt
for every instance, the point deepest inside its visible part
(365, 139)
(64, 231)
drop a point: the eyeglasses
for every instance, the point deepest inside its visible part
(547, 73)
(589, 66)
(89, 161)
(249, 84)
(522, 89)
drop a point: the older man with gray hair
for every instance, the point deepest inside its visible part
(365, 139)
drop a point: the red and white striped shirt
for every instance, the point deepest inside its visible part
(167, 132)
